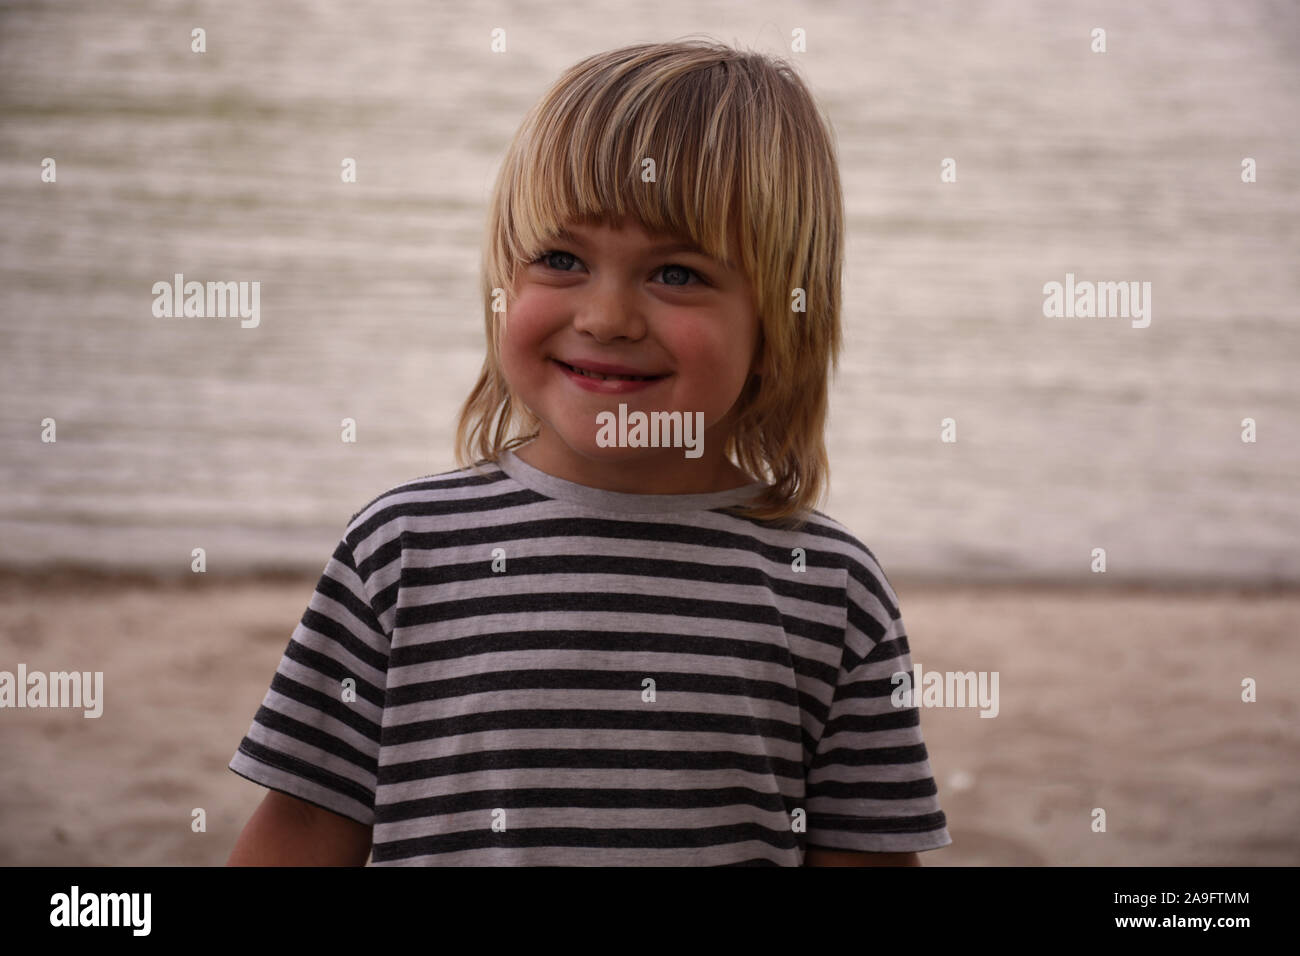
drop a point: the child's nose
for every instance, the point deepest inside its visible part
(610, 313)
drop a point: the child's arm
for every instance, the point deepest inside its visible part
(816, 857)
(286, 831)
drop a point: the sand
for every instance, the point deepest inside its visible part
(1124, 700)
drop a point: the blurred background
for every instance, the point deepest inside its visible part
(1073, 434)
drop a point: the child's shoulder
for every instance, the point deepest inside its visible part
(824, 533)
(864, 571)
(441, 492)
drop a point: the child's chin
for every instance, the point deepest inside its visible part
(590, 449)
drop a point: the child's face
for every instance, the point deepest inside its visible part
(611, 296)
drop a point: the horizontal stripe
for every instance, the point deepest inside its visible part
(507, 668)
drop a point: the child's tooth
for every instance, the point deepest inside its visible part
(603, 378)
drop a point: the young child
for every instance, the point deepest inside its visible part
(602, 644)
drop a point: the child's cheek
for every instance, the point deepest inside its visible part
(523, 347)
(701, 355)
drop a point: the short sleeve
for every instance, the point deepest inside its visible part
(869, 786)
(310, 738)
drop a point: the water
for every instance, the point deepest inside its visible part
(1072, 434)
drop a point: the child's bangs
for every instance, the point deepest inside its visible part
(653, 163)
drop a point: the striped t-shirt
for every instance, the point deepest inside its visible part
(502, 667)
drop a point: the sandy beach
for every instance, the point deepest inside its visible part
(1124, 700)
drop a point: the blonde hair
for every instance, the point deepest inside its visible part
(749, 173)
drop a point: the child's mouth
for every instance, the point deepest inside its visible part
(602, 378)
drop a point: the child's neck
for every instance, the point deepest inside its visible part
(658, 473)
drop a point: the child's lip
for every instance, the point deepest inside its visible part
(604, 368)
(607, 386)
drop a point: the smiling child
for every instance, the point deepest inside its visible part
(588, 646)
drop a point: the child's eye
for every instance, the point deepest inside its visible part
(680, 268)
(549, 258)
(545, 256)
